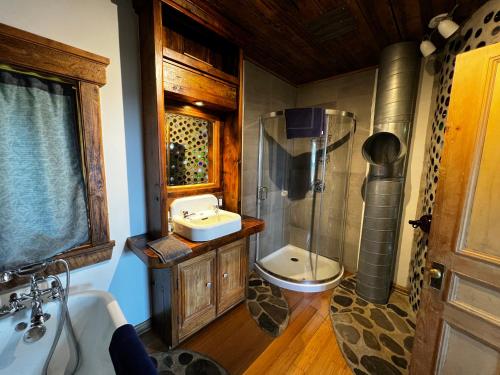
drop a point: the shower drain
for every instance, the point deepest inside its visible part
(294, 259)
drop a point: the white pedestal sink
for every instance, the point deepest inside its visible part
(198, 218)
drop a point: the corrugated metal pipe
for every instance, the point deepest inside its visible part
(386, 152)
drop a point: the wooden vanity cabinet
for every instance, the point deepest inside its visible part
(196, 296)
(191, 294)
(231, 275)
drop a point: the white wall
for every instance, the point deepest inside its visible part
(421, 126)
(107, 28)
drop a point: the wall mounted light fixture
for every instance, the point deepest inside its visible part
(445, 25)
(427, 47)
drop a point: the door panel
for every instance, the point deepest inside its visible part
(458, 325)
(196, 293)
(231, 274)
(480, 359)
(485, 210)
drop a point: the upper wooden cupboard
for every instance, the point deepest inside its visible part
(191, 98)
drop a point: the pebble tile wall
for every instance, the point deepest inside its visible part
(482, 29)
(188, 149)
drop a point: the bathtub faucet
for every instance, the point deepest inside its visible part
(36, 296)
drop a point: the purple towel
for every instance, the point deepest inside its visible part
(304, 122)
(128, 353)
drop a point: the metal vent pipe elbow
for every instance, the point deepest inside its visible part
(386, 152)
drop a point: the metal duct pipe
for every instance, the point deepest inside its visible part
(386, 152)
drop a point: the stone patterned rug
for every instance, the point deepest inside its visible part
(186, 362)
(267, 305)
(375, 339)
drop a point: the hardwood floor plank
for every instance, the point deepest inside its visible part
(307, 346)
(295, 348)
(314, 346)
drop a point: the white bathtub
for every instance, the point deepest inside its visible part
(95, 316)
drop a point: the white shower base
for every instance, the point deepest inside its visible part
(290, 268)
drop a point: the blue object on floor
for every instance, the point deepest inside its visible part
(304, 122)
(128, 353)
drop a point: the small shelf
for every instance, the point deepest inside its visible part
(198, 45)
(200, 65)
(138, 244)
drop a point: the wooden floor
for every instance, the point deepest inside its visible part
(308, 345)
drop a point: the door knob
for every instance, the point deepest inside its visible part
(209, 284)
(225, 275)
(434, 273)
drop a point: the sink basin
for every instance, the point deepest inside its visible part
(198, 219)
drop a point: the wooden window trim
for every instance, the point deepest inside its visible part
(29, 51)
(214, 185)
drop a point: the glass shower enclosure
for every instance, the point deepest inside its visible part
(302, 191)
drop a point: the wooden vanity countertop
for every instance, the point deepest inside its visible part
(138, 244)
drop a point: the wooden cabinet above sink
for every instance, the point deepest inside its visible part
(186, 62)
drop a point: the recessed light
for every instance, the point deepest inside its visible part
(199, 103)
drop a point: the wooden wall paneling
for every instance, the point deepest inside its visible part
(185, 84)
(210, 19)
(199, 65)
(153, 116)
(94, 162)
(163, 306)
(27, 50)
(232, 148)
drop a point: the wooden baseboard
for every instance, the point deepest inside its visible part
(400, 289)
(143, 327)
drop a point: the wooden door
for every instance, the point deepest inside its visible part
(196, 293)
(458, 325)
(231, 274)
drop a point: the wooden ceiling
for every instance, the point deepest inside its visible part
(307, 40)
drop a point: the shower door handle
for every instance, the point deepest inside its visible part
(262, 193)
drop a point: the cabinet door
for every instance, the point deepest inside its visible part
(231, 269)
(196, 293)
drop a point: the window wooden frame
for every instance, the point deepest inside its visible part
(29, 51)
(214, 184)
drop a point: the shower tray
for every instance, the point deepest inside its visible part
(291, 264)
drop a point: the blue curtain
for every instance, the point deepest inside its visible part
(43, 206)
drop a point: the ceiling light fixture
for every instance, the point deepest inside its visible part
(199, 103)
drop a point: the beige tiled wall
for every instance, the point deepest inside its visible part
(263, 93)
(354, 93)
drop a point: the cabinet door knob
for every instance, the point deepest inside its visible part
(225, 275)
(209, 284)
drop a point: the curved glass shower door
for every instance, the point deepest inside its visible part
(302, 197)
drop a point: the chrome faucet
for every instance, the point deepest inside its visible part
(37, 296)
(186, 214)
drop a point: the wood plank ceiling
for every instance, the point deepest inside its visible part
(307, 40)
